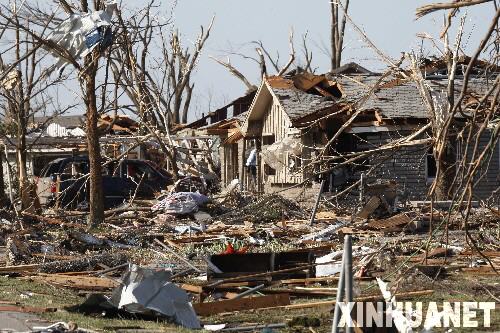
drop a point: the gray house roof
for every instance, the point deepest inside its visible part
(298, 104)
(401, 100)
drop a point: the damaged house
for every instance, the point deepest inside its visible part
(64, 136)
(292, 118)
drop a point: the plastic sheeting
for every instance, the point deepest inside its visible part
(181, 203)
(81, 33)
(275, 155)
(146, 289)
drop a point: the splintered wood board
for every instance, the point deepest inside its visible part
(77, 282)
(394, 221)
(247, 303)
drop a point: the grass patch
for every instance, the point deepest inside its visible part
(458, 288)
(36, 294)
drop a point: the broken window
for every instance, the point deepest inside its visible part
(430, 166)
(268, 171)
(294, 162)
(268, 140)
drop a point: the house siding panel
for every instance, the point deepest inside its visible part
(407, 167)
(489, 181)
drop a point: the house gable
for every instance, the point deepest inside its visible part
(264, 102)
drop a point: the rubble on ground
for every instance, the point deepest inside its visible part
(187, 258)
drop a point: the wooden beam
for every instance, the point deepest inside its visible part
(359, 299)
(19, 268)
(217, 131)
(307, 281)
(25, 309)
(249, 303)
(77, 282)
(323, 92)
(191, 288)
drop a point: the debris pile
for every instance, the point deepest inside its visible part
(188, 258)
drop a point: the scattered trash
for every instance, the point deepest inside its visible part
(323, 235)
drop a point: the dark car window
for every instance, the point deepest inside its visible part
(76, 168)
(163, 172)
(50, 169)
(139, 170)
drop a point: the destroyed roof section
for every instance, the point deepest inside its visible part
(439, 66)
(351, 68)
(401, 100)
(248, 97)
(296, 102)
(219, 116)
(223, 123)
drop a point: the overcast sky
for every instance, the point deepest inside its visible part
(390, 24)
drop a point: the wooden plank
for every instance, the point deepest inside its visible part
(321, 292)
(53, 256)
(481, 270)
(26, 309)
(320, 279)
(77, 282)
(369, 208)
(230, 285)
(248, 303)
(171, 243)
(486, 253)
(358, 299)
(393, 221)
(306, 81)
(191, 288)
(19, 268)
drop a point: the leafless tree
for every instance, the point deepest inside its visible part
(43, 19)
(164, 73)
(24, 89)
(158, 83)
(480, 112)
(264, 57)
(337, 30)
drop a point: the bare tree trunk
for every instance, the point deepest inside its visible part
(446, 164)
(22, 107)
(21, 165)
(337, 31)
(96, 191)
(2, 184)
(333, 34)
